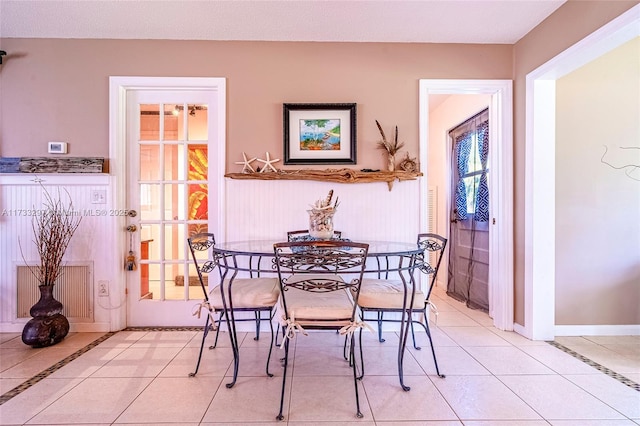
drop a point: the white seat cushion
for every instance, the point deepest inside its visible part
(248, 293)
(387, 294)
(308, 308)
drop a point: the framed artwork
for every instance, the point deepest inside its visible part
(319, 133)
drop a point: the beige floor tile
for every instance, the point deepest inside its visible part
(452, 361)
(214, 362)
(23, 407)
(517, 339)
(456, 319)
(382, 361)
(6, 337)
(210, 340)
(326, 398)
(370, 338)
(157, 403)
(474, 336)
(608, 358)
(389, 402)
(558, 361)
(14, 356)
(320, 361)
(93, 400)
(88, 363)
(40, 361)
(619, 396)
(575, 402)
(440, 338)
(15, 342)
(79, 340)
(615, 340)
(483, 398)
(138, 362)
(422, 423)
(506, 423)
(122, 339)
(166, 338)
(592, 423)
(253, 361)
(252, 399)
(507, 360)
(7, 384)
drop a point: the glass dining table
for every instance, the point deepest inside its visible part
(386, 259)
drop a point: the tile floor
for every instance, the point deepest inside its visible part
(137, 377)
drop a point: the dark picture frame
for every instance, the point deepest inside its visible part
(319, 133)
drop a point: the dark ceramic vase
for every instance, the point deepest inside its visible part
(48, 326)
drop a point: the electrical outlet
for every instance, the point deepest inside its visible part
(103, 288)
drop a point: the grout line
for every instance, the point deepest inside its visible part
(619, 377)
(45, 373)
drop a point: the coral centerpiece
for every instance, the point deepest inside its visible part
(321, 217)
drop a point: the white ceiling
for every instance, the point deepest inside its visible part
(419, 21)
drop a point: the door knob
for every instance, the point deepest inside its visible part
(132, 228)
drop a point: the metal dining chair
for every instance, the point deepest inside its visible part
(319, 287)
(255, 294)
(385, 295)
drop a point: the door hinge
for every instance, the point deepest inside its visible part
(494, 221)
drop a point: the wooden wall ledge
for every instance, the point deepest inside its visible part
(331, 175)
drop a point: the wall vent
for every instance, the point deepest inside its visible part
(74, 289)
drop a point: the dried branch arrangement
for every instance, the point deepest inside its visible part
(53, 228)
(392, 148)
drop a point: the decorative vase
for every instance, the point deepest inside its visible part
(391, 162)
(48, 326)
(321, 224)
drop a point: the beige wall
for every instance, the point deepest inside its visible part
(597, 207)
(572, 22)
(61, 86)
(57, 89)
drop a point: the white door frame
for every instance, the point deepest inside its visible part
(500, 182)
(540, 143)
(118, 88)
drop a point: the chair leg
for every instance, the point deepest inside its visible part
(355, 376)
(205, 331)
(258, 316)
(215, 342)
(361, 356)
(433, 351)
(413, 336)
(284, 378)
(380, 315)
(272, 313)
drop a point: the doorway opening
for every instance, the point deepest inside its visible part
(500, 182)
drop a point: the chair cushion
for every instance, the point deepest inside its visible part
(308, 308)
(248, 293)
(387, 294)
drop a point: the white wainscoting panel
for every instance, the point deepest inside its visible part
(267, 209)
(20, 198)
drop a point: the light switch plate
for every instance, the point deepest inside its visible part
(99, 196)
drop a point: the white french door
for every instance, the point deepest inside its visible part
(171, 185)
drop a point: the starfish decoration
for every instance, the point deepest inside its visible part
(246, 164)
(268, 164)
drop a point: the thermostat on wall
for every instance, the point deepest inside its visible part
(57, 147)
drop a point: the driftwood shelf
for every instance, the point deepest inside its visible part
(331, 175)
